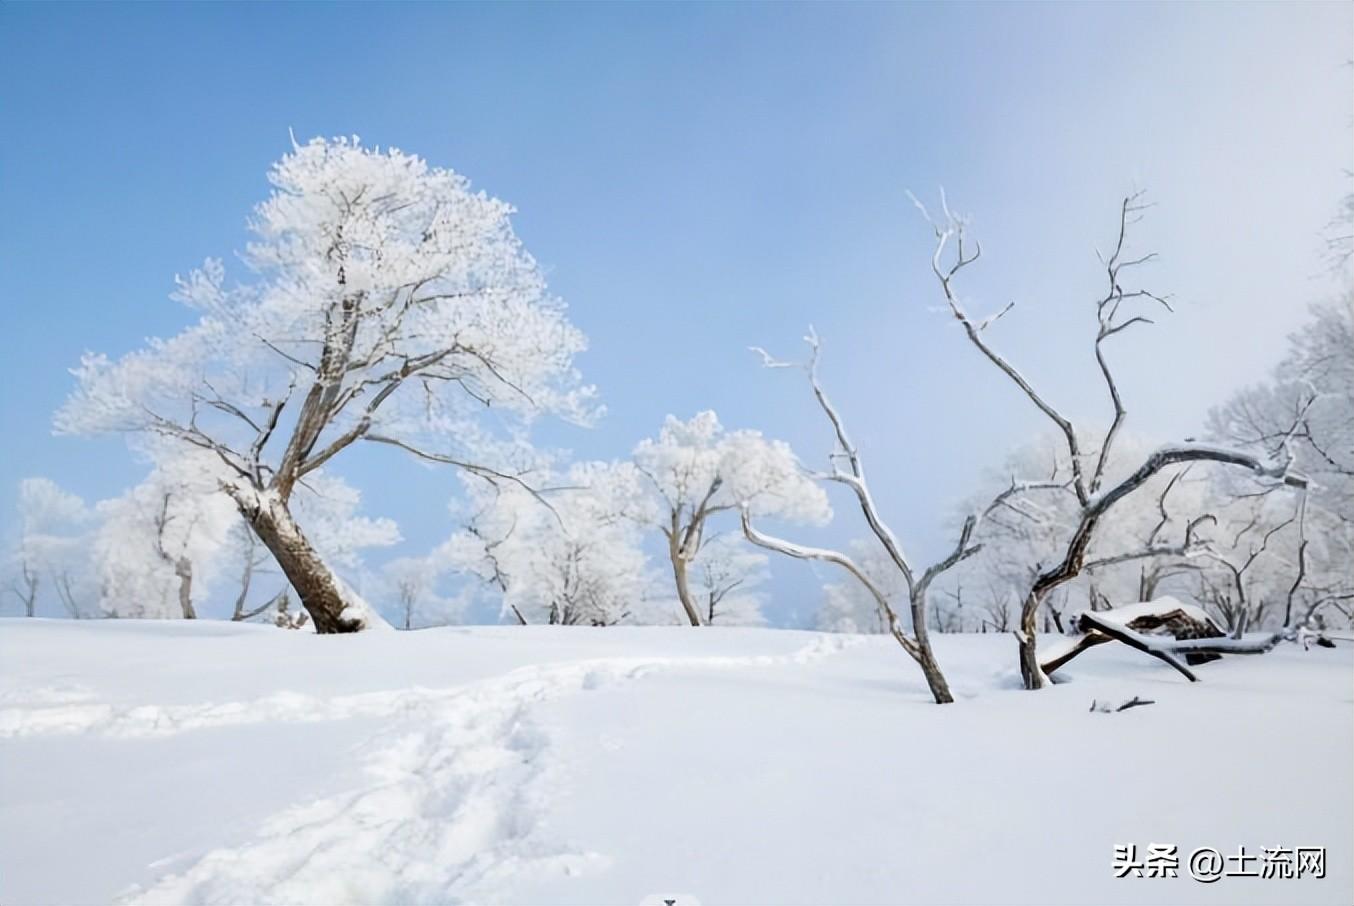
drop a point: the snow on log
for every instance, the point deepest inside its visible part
(1163, 628)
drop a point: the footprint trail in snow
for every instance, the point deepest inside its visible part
(449, 810)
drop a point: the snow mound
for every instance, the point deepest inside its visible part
(1127, 613)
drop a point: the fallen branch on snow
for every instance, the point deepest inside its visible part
(1107, 708)
(1192, 633)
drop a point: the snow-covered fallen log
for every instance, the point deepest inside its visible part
(1164, 629)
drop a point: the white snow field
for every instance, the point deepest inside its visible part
(202, 762)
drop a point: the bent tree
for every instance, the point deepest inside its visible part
(1098, 500)
(847, 468)
(387, 304)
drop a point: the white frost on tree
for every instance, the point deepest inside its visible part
(696, 470)
(727, 573)
(161, 547)
(1307, 410)
(413, 585)
(569, 555)
(387, 303)
(158, 546)
(849, 606)
(1098, 498)
(46, 561)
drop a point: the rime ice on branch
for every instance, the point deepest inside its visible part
(387, 304)
(696, 471)
(848, 469)
(1096, 498)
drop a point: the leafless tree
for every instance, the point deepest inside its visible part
(407, 590)
(27, 592)
(718, 584)
(65, 590)
(179, 562)
(949, 619)
(997, 608)
(1312, 388)
(254, 557)
(1156, 570)
(847, 468)
(1230, 598)
(1096, 501)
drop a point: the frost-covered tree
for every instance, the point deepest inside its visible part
(49, 550)
(159, 545)
(416, 585)
(1099, 500)
(569, 556)
(1030, 523)
(412, 580)
(697, 470)
(1025, 522)
(1340, 234)
(1306, 409)
(386, 304)
(727, 573)
(850, 606)
(328, 508)
(1313, 386)
(252, 560)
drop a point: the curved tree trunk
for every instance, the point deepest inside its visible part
(683, 586)
(1031, 674)
(317, 587)
(926, 659)
(935, 679)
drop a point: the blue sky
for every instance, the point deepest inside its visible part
(698, 179)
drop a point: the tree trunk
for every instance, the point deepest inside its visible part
(683, 588)
(940, 690)
(1057, 620)
(315, 585)
(1030, 672)
(183, 568)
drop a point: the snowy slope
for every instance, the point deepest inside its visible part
(203, 762)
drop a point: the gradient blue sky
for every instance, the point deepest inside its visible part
(698, 179)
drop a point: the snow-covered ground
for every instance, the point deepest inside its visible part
(176, 762)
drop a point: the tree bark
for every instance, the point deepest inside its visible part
(30, 592)
(315, 585)
(183, 568)
(1130, 639)
(1030, 672)
(683, 587)
(926, 659)
(935, 679)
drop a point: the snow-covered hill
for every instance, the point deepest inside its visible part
(177, 762)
